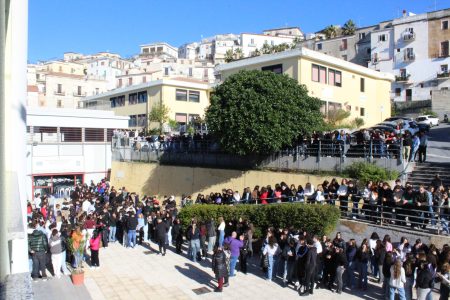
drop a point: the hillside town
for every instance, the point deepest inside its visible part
(270, 164)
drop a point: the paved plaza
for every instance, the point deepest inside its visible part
(141, 273)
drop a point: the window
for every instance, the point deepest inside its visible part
(132, 121)
(109, 134)
(132, 98)
(398, 92)
(79, 92)
(59, 103)
(445, 25)
(362, 85)
(334, 77)
(343, 44)
(362, 35)
(444, 68)
(194, 96)
(59, 88)
(94, 135)
(319, 74)
(144, 79)
(319, 46)
(130, 81)
(97, 91)
(142, 97)
(181, 95)
(142, 120)
(277, 69)
(166, 71)
(382, 38)
(362, 111)
(421, 85)
(192, 118)
(190, 72)
(272, 43)
(403, 73)
(120, 82)
(69, 134)
(444, 49)
(181, 118)
(344, 57)
(159, 49)
(145, 50)
(409, 54)
(252, 41)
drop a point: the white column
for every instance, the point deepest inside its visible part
(13, 132)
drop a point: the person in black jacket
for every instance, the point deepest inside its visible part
(177, 235)
(424, 281)
(340, 261)
(288, 254)
(329, 266)
(310, 267)
(352, 191)
(160, 232)
(131, 228)
(219, 267)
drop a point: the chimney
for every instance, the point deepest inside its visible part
(404, 13)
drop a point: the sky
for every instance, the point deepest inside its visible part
(120, 26)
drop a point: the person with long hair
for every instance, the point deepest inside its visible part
(221, 230)
(219, 266)
(397, 280)
(271, 250)
(94, 244)
(444, 277)
(424, 281)
(363, 256)
(409, 266)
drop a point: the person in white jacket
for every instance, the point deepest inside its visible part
(397, 281)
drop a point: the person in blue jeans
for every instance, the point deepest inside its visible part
(112, 228)
(132, 224)
(271, 250)
(221, 230)
(397, 281)
(351, 260)
(193, 235)
(235, 246)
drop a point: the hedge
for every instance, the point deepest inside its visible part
(316, 219)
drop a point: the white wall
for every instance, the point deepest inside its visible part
(259, 40)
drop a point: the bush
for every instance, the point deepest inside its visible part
(427, 111)
(367, 171)
(317, 219)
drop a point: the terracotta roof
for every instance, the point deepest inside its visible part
(32, 88)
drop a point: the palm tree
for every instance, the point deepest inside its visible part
(349, 28)
(266, 49)
(238, 53)
(295, 42)
(330, 31)
(229, 57)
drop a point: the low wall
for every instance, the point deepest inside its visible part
(155, 179)
(359, 231)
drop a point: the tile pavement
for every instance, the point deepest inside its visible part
(141, 273)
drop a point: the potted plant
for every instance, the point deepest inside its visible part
(76, 244)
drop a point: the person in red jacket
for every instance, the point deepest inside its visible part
(94, 243)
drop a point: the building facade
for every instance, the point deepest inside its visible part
(186, 99)
(337, 83)
(159, 49)
(67, 147)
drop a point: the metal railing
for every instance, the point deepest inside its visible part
(429, 219)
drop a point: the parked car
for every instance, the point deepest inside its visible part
(423, 127)
(398, 118)
(382, 128)
(428, 119)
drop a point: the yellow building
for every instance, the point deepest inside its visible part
(336, 82)
(185, 98)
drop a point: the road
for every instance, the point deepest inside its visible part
(439, 144)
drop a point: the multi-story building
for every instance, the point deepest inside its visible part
(250, 42)
(353, 48)
(223, 43)
(339, 84)
(63, 83)
(185, 98)
(159, 50)
(188, 51)
(285, 31)
(415, 49)
(67, 147)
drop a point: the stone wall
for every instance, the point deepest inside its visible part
(155, 179)
(358, 230)
(440, 101)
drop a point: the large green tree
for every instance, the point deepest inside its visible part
(349, 28)
(260, 112)
(160, 115)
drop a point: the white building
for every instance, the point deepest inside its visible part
(250, 42)
(68, 146)
(406, 48)
(159, 49)
(188, 51)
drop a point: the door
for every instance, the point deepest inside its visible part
(408, 94)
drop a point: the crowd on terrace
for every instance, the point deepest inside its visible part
(100, 214)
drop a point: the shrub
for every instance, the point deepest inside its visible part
(427, 111)
(367, 171)
(317, 219)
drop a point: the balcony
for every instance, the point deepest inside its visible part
(442, 54)
(342, 47)
(76, 94)
(409, 36)
(402, 78)
(59, 93)
(443, 75)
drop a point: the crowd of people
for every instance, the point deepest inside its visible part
(98, 214)
(403, 205)
(362, 142)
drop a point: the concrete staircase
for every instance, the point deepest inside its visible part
(424, 173)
